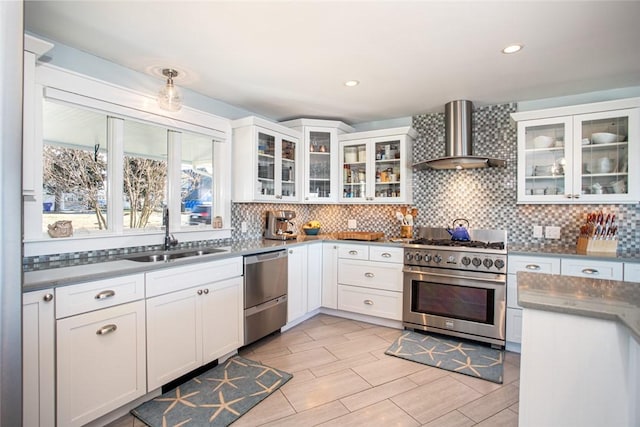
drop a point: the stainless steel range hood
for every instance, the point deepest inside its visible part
(458, 142)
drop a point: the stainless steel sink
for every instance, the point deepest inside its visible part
(166, 256)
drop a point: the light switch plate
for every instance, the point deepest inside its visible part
(243, 226)
(537, 231)
(552, 232)
(351, 223)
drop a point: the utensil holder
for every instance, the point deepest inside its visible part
(406, 231)
(588, 245)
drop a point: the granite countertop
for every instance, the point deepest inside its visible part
(57, 273)
(597, 298)
(571, 252)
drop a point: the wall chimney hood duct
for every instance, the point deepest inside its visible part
(458, 143)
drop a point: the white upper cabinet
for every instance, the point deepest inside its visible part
(320, 155)
(266, 161)
(375, 166)
(580, 154)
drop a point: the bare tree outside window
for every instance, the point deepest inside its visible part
(144, 187)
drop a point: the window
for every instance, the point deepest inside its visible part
(196, 180)
(74, 180)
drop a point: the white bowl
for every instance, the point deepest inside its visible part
(543, 141)
(606, 138)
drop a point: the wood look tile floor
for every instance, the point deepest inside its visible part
(343, 378)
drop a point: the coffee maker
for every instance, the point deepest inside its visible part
(279, 225)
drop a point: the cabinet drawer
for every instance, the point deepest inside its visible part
(89, 296)
(512, 291)
(631, 272)
(353, 251)
(373, 302)
(592, 269)
(533, 264)
(378, 275)
(386, 254)
(175, 279)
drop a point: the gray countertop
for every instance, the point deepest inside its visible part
(58, 274)
(597, 298)
(571, 252)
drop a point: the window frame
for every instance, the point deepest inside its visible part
(119, 104)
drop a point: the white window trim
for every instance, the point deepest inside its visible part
(64, 85)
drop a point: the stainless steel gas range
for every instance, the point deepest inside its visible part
(457, 287)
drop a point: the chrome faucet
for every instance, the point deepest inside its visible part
(169, 239)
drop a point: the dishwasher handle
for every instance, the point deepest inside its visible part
(267, 256)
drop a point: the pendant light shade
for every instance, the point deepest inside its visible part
(169, 97)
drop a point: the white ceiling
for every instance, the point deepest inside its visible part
(289, 59)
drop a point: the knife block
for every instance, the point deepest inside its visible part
(587, 245)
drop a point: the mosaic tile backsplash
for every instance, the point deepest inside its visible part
(486, 197)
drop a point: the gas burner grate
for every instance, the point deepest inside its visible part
(459, 243)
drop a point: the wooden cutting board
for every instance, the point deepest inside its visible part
(359, 235)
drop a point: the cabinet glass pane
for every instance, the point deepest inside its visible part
(266, 164)
(354, 171)
(288, 168)
(387, 169)
(320, 164)
(605, 156)
(545, 160)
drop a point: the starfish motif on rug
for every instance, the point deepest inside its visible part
(225, 380)
(398, 352)
(234, 361)
(459, 347)
(266, 369)
(495, 362)
(164, 422)
(404, 338)
(178, 399)
(469, 365)
(429, 352)
(222, 406)
(265, 389)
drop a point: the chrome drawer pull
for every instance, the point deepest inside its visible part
(353, 252)
(369, 275)
(532, 267)
(47, 297)
(107, 329)
(206, 291)
(105, 294)
(386, 255)
(199, 292)
(368, 302)
(590, 271)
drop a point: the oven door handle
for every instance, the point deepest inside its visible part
(453, 276)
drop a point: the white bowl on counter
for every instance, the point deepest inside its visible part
(543, 141)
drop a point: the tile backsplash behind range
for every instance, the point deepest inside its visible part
(486, 197)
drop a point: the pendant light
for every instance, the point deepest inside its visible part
(169, 97)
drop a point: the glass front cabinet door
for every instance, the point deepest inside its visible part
(580, 158)
(266, 164)
(375, 166)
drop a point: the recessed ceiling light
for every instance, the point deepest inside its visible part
(351, 83)
(512, 48)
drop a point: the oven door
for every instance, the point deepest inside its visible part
(460, 303)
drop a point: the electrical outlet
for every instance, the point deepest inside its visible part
(352, 224)
(552, 232)
(243, 226)
(537, 231)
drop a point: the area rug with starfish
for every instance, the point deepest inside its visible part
(217, 397)
(456, 355)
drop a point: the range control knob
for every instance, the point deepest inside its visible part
(487, 262)
(418, 256)
(437, 259)
(476, 262)
(465, 260)
(409, 256)
(427, 258)
(451, 259)
(499, 264)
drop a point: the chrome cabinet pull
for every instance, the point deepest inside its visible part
(105, 294)
(576, 196)
(206, 291)
(591, 271)
(107, 329)
(532, 267)
(279, 196)
(199, 292)
(353, 252)
(368, 302)
(47, 297)
(386, 255)
(290, 251)
(369, 275)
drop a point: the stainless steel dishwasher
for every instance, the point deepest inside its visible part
(265, 294)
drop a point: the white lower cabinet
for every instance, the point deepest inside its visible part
(631, 272)
(192, 327)
(370, 280)
(314, 277)
(592, 269)
(297, 283)
(100, 362)
(38, 359)
(514, 325)
(330, 275)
